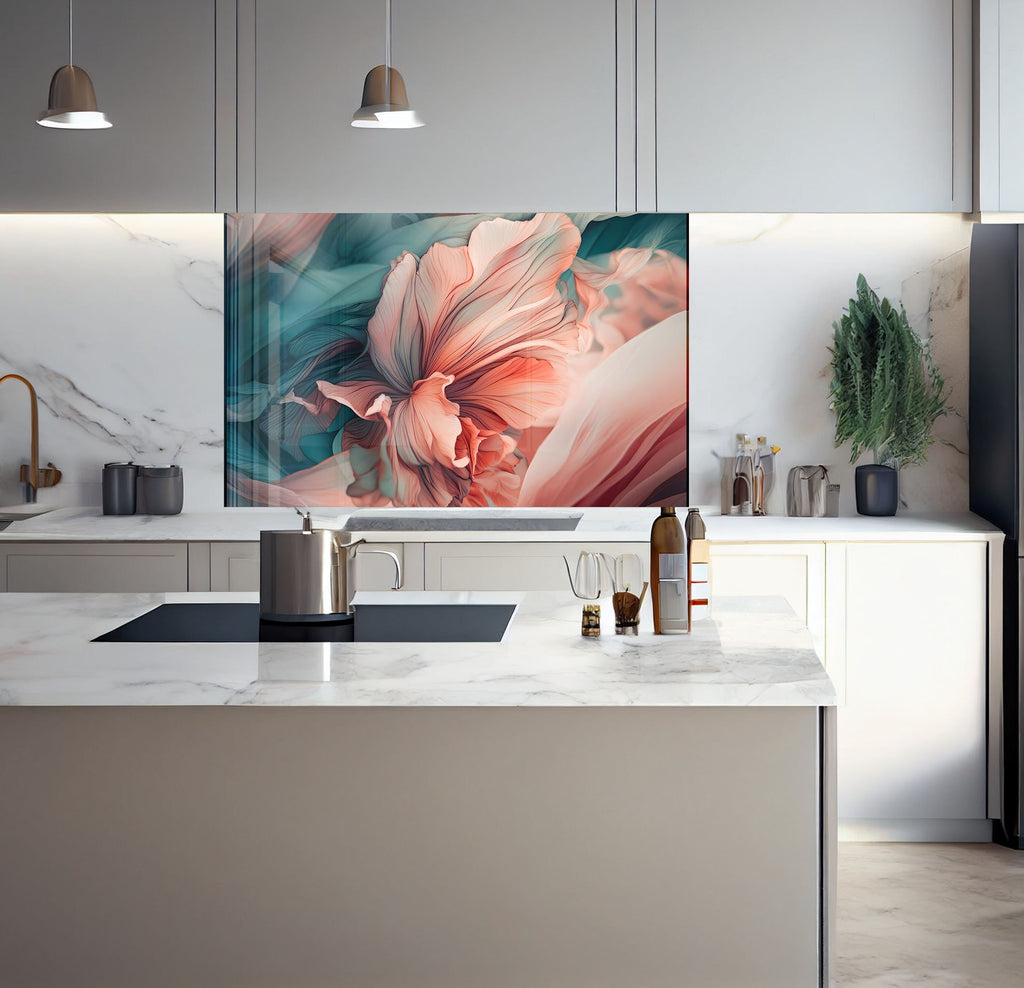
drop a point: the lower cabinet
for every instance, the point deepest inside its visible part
(94, 567)
(903, 629)
(513, 565)
(912, 746)
(794, 571)
(235, 566)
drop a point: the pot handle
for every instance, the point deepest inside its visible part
(343, 547)
(387, 552)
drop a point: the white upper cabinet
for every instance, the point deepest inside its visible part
(800, 105)
(576, 105)
(1000, 106)
(519, 101)
(153, 69)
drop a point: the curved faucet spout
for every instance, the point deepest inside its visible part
(30, 477)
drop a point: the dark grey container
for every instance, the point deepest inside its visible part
(878, 489)
(119, 480)
(159, 491)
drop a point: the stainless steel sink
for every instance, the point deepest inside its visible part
(462, 520)
(18, 512)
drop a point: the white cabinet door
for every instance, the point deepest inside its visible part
(912, 734)
(519, 101)
(800, 105)
(513, 565)
(794, 571)
(96, 567)
(153, 69)
(235, 566)
(1000, 106)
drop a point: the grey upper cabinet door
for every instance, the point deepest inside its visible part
(519, 101)
(153, 68)
(1000, 106)
(800, 105)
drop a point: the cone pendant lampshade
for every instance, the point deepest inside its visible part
(72, 103)
(385, 106)
(385, 102)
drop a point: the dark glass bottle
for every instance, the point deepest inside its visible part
(668, 573)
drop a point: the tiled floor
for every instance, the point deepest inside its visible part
(942, 915)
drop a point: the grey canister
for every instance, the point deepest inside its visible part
(119, 488)
(160, 490)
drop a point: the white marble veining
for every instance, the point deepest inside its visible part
(746, 656)
(118, 322)
(596, 525)
(764, 292)
(245, 525)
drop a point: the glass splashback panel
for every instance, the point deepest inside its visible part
(479, 360)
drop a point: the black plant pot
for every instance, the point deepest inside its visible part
(878, 489)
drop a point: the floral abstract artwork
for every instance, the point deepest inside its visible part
(471, 360)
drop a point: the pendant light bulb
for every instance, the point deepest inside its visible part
(72, 102)
(385, 102)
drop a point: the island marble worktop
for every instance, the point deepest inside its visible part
(595, 525)
(753, 652)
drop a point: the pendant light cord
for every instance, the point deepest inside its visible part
(387, 53)
(71, 32)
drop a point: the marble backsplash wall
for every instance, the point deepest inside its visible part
(118, 321)
(764, 292)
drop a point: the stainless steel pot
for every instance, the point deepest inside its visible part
(306, 573)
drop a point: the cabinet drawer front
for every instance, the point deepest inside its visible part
(235, 566)
(514, 565)
(98, 569)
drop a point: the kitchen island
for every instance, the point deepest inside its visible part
(546, 810)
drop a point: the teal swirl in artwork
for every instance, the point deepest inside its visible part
(464, 360)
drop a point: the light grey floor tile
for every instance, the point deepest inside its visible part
(942, 915)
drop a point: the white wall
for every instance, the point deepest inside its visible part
(117, 320)
(764, 292)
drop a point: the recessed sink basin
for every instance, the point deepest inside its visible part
(18, 512)
(240, 622)
(462, 520)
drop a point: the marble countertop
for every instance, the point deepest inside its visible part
(596, 525)
(751, 653)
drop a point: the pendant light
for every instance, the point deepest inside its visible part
(385, 103)
(72, 104)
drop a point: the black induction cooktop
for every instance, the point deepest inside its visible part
(240, 622)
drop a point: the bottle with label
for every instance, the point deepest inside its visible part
(764, 474)
(698, 559)
(668, 574)
(743, 477)
(694, 527)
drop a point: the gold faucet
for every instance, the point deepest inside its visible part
(30, 477)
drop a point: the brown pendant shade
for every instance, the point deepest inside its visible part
(377, 110)
(72, 103)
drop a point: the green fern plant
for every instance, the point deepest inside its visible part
(886, 391)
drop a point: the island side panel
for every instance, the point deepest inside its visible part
(442, 847)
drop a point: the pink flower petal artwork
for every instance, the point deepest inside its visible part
(537, 360)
